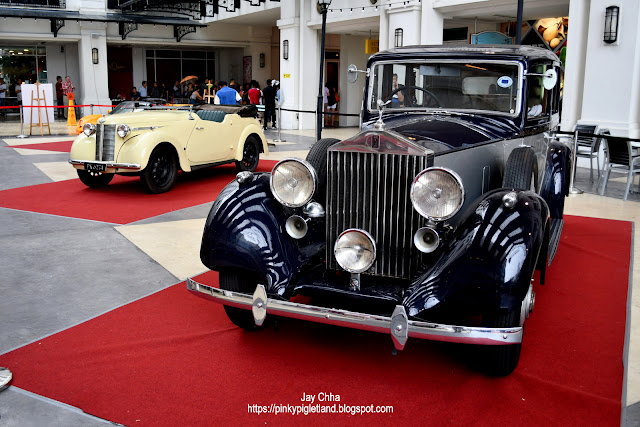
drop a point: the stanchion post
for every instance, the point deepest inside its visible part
(22, 135)
(279, 118)
(92, 109)
(573, 189)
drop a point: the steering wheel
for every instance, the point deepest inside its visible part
(409, 102)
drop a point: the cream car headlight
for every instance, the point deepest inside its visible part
(293, 182)
(355, 250)
(89, 129)
(123, 131)
(437, 193)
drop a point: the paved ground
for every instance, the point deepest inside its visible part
(54, 278)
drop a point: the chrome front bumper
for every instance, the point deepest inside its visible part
(108, 164)
(398, 325)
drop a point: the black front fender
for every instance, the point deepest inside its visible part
(488, 261)
(245, 230)
(557, 177)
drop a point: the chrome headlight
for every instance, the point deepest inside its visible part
(437, 193)
(293, 182)
(89, 129)
(355, 250)
(123, 131)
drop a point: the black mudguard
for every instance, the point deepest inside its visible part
(488, 261)
(557, 178)
(245, 230)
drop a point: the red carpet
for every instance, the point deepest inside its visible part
(123, 200)
(174, 359)
(62, 146)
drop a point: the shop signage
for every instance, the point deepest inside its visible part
(371, 46)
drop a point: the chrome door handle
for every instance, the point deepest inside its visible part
(199, 128)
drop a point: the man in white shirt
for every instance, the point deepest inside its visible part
(18, 89)
(143, 90)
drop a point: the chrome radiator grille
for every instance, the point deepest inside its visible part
(370, 191)
(105, 142)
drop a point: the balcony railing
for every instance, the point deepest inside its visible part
(57, 4)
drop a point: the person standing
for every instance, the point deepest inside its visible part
(59, 96)
(155, 91)
(18, 89)
(269, 94)
(332, 103)
(227, 95)
(3, 94)
(143, 90)
(67, 88)
(254, 93)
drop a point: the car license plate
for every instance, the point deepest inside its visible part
(95, 167)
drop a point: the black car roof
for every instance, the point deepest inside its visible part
(518, 52)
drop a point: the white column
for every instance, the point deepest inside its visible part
(290, 78)
(575, 63)
(309, 65)
(409, 19)
(383, 37)
(432, 24)
(93, 87)
(612, 91)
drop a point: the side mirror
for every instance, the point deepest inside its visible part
(352, 73)
(550, 79)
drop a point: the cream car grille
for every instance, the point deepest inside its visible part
(105, 142)
(370, 191)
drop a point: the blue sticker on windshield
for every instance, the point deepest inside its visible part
(505, 81)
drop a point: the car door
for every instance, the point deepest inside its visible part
(212, 141)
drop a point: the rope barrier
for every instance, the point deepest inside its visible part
(599, 135)
(324, 112)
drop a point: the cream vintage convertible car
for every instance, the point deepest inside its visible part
(155, 144)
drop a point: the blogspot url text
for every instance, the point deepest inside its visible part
(335, 408)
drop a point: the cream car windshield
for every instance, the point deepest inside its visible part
(491, 87)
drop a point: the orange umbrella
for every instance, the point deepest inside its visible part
(188, 79)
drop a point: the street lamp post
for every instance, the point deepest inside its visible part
(324, 6)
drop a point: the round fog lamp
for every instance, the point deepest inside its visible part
(293, 182)
(123, 131)
(437, 193)
(355, 250)
(88, 129)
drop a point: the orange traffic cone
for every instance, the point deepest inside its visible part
(71, 117)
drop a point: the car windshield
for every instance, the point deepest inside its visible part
(452, 86)
(125, 107)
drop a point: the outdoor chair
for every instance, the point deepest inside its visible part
(621, 158)
(588, 147)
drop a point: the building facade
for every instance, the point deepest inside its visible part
(107, 47)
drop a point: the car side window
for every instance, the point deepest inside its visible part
(539, 99)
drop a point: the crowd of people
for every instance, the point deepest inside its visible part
(216, 92)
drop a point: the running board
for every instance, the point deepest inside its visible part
(554, 238)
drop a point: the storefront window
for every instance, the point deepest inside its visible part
(166, 66)
(27, 63)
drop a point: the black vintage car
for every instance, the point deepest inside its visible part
(429, 223)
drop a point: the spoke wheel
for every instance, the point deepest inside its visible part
(161, 172)
(250, 156)
(93, 180)
(240, 281)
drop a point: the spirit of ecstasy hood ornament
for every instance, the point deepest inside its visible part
(379, 124)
